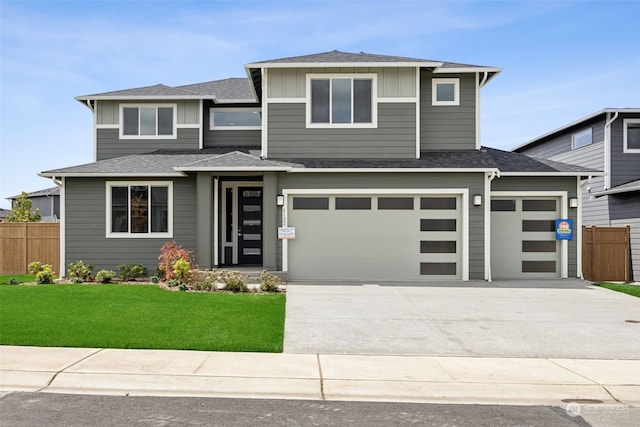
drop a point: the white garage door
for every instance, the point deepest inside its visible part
(375, 237)
(523, 239)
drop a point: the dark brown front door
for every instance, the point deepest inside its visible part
(250, 225)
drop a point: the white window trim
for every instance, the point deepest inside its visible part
(129, 235)
(175, 121)
(580, 133)
(625, 125)
(456, 91)
(212, 125)
(352, 76)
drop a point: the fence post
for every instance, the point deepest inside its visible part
(25, 243)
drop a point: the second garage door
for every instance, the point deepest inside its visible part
(375, 237)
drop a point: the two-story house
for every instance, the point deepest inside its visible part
(46, 201)
(607, 140)
(331, 166)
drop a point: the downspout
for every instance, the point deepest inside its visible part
(607, 150)
(487, 222)
(581, 189)
(484, 79)
(63, 217)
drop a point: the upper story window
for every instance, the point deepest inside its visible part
(139, 209)
(631, 135)
(235, 119)
(582, 138)
(445, 92)
(341, 100)
(147, 121)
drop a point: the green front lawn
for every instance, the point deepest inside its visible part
(20, 278)
(627, 289)
(140, 316)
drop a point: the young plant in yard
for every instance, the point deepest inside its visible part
(182, 270)
(269, 282)
(132, 271)
(169, 254)
(21, 211)
(45, 275)
(80, 270)
(204, 280)
(234, 281)
(34, 267)
(105, 276)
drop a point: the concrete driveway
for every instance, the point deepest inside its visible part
(546, 318)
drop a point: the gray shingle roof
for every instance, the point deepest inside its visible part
(159, 91)
(177, 162)
(53, 191)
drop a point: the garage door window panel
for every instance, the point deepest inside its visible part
(538, 266)
(353, 203)
(503, 205)
(438, 269)
(539, 246)
(536, 225)
(438, 247)
(438, 225)
(539, 206)
(439, 203)
(395, 203)
(310, 203)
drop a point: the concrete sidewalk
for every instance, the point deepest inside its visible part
(321, 376)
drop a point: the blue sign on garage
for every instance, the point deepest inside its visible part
(564, 229)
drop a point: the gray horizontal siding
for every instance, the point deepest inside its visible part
(395, 136)
(538, 183)
(591, 156)
(474, 182)
(110, 145)
(634, 224)
(625, 167)
(624, 205)
(595, 210)
(85, 226)
(236, 138)
(448, 127)
(560, 143)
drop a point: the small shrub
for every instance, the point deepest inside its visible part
(45, 275)
(155, 279)
(105, 276)
(77, 280)
(13, 281)
(173, 283)
(183, 287)
(169, 254)
(132, 271)
(181, 270)
(234, 281)
(34, 267)
(81, 270)
(203, 280)
(269, 282)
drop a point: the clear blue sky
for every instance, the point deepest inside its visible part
(562, 60)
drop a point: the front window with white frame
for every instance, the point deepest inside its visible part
(445, 91)
(341, 100)
(235, 119)
(147, 121)
(581, 138)
(631, 135)
(139, 209)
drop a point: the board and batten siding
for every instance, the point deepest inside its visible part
(395, 136)
(292, 82)
(109, 144)
(625, 167)
(418, 181)
(543, 183)
(108, 112)
(85, 226)
(451, 127)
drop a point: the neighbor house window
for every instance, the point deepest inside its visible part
(341, 101)
(445, 92)
(235, 119)
(582, 138)
(631, 136)
(139, 209)
(147, 121)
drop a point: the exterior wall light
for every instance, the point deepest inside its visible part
(280, 200)
(573, 202)
(477, 200)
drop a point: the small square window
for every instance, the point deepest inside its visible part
(582, 138)
(631, 136)
(446, 92)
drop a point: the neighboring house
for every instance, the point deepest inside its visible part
(3, 214)
(608, 140)
(332, 166)
(47, 201)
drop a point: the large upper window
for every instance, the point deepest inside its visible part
(139, 209)
(631, 136)
(582, 138)
(236, 119)
(147, 121)
(341, 101)
(445, 92)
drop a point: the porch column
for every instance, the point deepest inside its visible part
(204, 215)
(270, 222)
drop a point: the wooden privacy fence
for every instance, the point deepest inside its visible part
(606, 253)
(23, 242)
